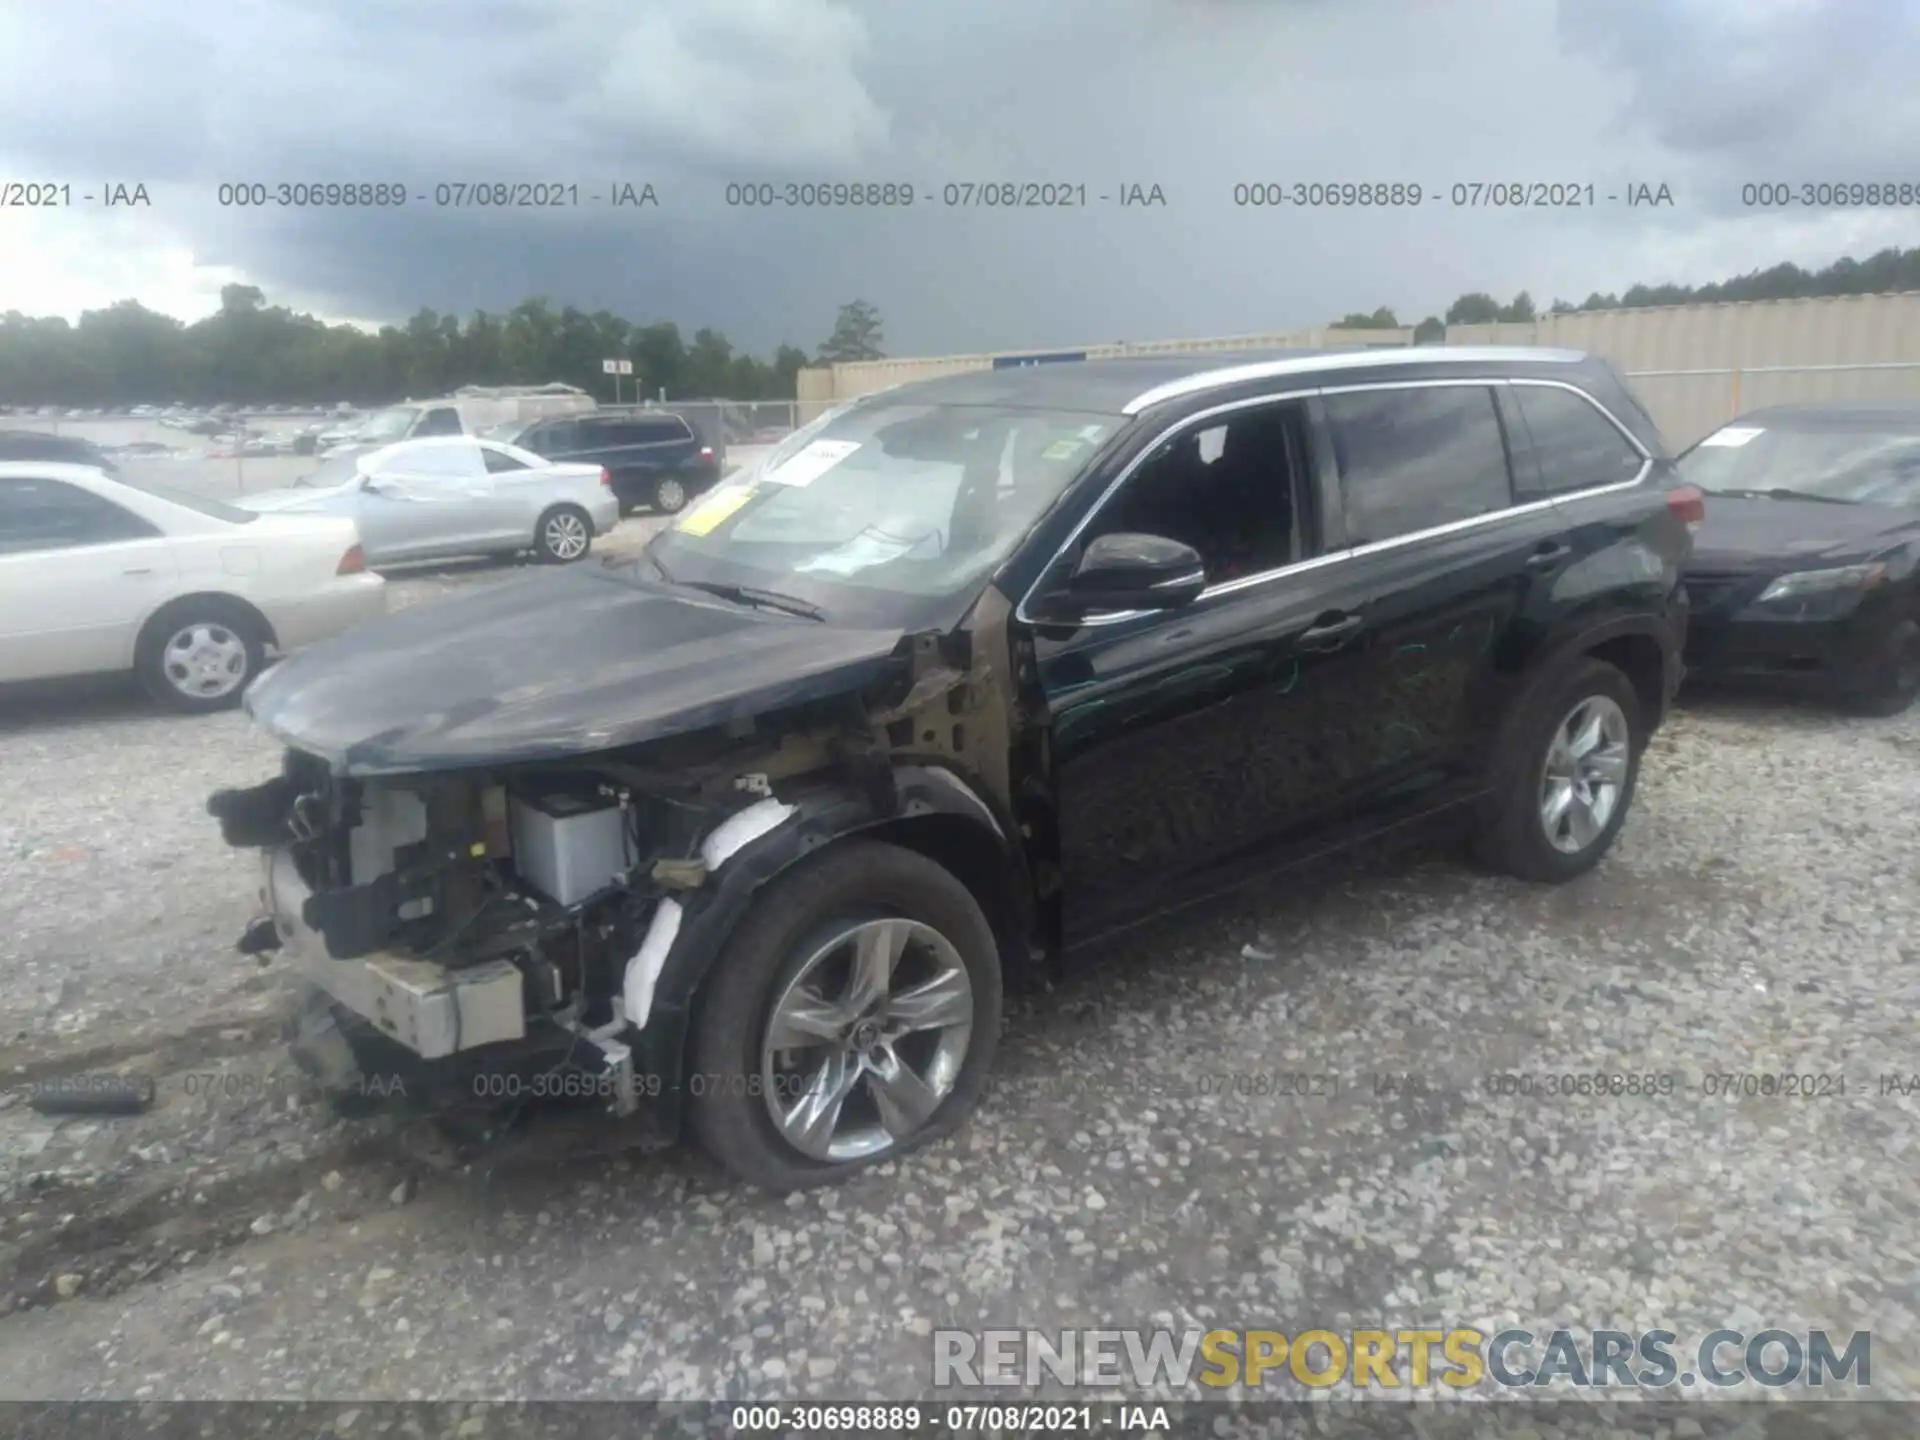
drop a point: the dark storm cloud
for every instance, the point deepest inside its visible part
(693, 94)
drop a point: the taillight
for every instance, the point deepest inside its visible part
(353, 562)
(606, 477)
(1688, 505)
(706, 452)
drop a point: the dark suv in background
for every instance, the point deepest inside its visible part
(656, 457)
(981, 671)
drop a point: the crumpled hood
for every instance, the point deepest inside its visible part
(1758, 533)
(557, 663)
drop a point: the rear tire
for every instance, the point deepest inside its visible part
(669, 495)
(1561, 798)
(199, 656)
(1888, 683)
(793, 957)
(563, 535)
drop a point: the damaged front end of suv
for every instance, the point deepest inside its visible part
(522, 894)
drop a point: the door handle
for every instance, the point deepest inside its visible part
(140, 570)
(1548, 555)
(1331, 635)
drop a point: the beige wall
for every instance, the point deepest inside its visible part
(863, 377)
(1726, 345)
(1733, 344)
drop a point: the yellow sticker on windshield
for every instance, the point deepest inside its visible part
(1062, 450)
(706, 517)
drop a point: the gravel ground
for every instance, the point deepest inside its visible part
(238, 1241)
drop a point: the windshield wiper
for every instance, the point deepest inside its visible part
(1780, 493)
(765, 599)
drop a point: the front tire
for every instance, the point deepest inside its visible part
(1887, 683)
(1562, 798)
(563, 535)
(853, 1018)
(200, 655)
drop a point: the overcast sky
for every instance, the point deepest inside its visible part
(1194, 96)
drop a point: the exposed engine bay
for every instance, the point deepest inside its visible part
(454, 911)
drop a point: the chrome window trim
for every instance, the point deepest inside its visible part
(1372, 547)
(1146, 451)
(1316, 364)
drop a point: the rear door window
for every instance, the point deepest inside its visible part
(53, 515)
(1577, 447)
(1415, 459)
(441, 420)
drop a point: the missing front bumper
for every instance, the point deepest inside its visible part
(431, 1009)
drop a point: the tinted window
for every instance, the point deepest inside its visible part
(556, 437)
(439, 421)
(1578, 448)
(52, 515)
(1230, 490)
(654, 431)
(498, 461)
(1413, 459)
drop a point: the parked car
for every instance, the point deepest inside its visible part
(431, 499)
(61, 449)
(472, 410)
(657, 459)
(1806, 568)
(749, 834)
(100, 574)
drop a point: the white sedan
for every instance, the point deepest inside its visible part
(457, 495)
(99, 573)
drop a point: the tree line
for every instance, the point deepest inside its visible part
(248, 352)
(1888, 271)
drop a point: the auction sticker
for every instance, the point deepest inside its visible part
(705, 517)
(1732, 435)
(811, 463)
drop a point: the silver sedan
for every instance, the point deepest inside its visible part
(456, 495)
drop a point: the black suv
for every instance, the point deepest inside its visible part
(748, 833)
(657, 459)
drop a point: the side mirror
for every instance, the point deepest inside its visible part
(371, 485)
(1134, 572)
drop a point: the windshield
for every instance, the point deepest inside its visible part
(883, 498)
(187, 500)
(390, 424)
(1860, 463)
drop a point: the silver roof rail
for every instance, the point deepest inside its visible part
(1346, 360)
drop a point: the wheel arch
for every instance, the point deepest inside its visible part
(934, 812)
(221, 598)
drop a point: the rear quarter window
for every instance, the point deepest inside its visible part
(1576, 446)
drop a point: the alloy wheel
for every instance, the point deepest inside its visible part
(669, 495)
(1585, 773)
(204, 661)
(867, 1039)
(566, 536)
